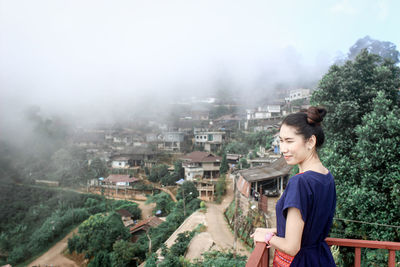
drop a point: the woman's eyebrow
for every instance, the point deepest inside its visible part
(287, 138)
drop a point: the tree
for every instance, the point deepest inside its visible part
(178, 169)
(224, 165)
(220, 188)
(243, 164)
(123, 254)
(98, 233)
(188, 191)
(163, 202)
(376, 190)
(362, 129)
(157, 172)
(347, 92)
(384, 49)
(97, 168)
(236, 148)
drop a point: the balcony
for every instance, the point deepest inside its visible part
(260, 255)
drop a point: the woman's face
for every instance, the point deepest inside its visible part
(293, 146)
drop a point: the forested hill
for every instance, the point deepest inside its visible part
(32, 219)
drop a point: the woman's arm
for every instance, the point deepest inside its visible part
(291, 243)
(259, 234)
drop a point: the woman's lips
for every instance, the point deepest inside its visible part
(287, 157)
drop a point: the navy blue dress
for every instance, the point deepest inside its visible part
(314, 194)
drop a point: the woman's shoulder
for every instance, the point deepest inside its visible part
(311, 176)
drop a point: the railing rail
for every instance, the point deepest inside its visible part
(260, 255)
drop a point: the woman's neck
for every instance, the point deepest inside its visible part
(312, 163)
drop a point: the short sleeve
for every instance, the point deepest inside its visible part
(298, 196)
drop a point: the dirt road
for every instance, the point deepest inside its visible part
(218, 234)
(54, 256)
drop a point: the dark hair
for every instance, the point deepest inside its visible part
(308, 123)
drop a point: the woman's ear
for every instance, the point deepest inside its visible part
(311, 142)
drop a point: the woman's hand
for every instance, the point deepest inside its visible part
(259, 234)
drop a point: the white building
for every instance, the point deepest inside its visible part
(264, 112)
(299, 94)
(211, 141)
(120, 163)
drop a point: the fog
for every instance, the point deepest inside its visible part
(105, 60)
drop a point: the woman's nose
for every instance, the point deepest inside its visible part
(282, 148)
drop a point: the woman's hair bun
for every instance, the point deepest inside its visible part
(315, 115)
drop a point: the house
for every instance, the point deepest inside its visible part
(133, 156)
(209, 140)
(120, 180)
(270, 180)
(89, 139)
(200, 164)
(233, 158)
(120, 163)
(264, 112)
(228, 122)
(172, 141)
(168, 141)
(143, 227)
(299, 94)
(206, 189)
(126, 217)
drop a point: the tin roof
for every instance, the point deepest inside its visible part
(275, 169)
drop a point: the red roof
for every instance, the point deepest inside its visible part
(115, 178)
(200, 156)
(151, 222)
(124, 213)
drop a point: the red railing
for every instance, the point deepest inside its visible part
(260, 255)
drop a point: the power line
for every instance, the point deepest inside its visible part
(377, 224)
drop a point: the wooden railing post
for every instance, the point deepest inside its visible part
(357, 257)
(392, 258)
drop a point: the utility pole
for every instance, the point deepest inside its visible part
(235, 230)
(184, 207)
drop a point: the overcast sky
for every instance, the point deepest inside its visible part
(91, 56)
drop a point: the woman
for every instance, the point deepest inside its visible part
(305, 210)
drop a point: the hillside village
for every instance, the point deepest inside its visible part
(198, 143)
(196, 139)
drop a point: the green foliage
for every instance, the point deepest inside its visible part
(97, 168)
(178, 169)
(31, 229)
(243, 164)
(102, 258)
(98, 233)
(157, 172)
(123, 254)
(347, 92)
(177, 250)
(220, 259)
(70, 166)
(221, 110)
(261, 138)
(236, 148)
(220, 188)
(224, 165)
(132, 207)
(362, 128)
(163, 202)
(187, 190)
(161, 233)
(151, 260)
